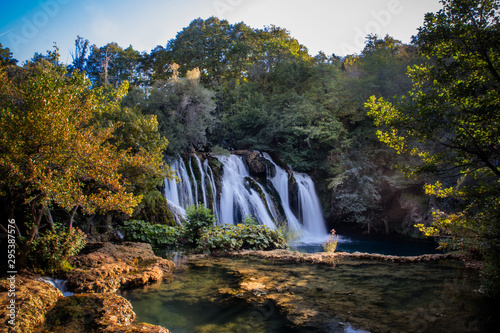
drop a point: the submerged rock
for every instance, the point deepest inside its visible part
(108, 267)
(357, 292)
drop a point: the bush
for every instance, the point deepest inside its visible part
(249, 220)
(229, 237)
(53, 248)
(158, 235)
(197, 220)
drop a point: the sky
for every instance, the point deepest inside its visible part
(332, 26)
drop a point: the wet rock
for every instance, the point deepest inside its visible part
(33, 299)
(106, 267)
(105, 312)
(256, 163)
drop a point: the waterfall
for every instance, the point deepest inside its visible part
(211, 180)
(238, 198)
(241, 195)
(58, 284)
(203, 190)
(280, 183)
(310, 209)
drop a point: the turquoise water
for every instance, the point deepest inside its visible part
(192, 303)
(352, 244)
(212, 295)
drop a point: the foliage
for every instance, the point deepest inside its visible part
(331, 244)
(451, 120)
(6, 57)
(110, 64)
(56, 152)
(157, 235)
(183, 108)
(197, 220)
(226, 237)
(250, 220)
(52, 249)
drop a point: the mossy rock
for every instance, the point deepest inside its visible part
(105, 312)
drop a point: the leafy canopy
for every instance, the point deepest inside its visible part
(451, 120)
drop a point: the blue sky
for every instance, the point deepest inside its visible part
(331, 26)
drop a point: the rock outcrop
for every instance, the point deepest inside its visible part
(106, 267)
(329, 258)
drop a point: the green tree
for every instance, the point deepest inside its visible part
(184, 109)
(6, 56)
(451, 120)
(111, 64)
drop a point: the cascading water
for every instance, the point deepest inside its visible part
(310, 209)
(313, 227)
(241, 195)
(238, 198)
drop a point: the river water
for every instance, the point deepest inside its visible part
(213, 295)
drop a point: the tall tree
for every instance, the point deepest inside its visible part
(80, 55)
(451, 119)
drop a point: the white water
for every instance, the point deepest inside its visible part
(312, 229)
(59, 284)
(310, 211)
(242, 196)
(238, 199)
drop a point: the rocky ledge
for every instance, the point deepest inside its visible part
(101, 269)
(329, 258)
(106, 267)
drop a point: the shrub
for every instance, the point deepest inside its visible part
(197, 220)
(158, 235)
(53, 248)
(331, 244)
(249, 220)
(229, 237)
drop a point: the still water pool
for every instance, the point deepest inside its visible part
(257, 295)
(352, 244)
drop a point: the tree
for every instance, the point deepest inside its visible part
(54, 152)
(451, 120)
(80, 55)
(184, 109)
(111, 64)
(6, 56)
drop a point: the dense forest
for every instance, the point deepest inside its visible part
(85, 144)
